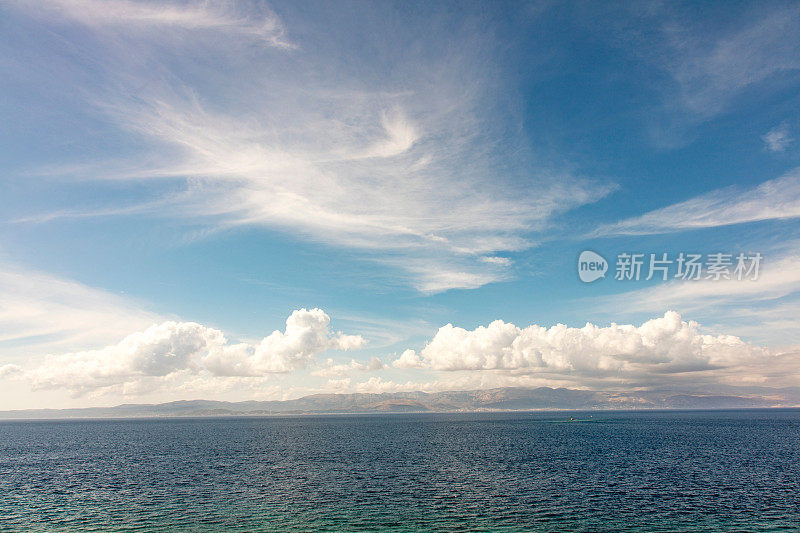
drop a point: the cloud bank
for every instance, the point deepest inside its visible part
(661, 351)
(170, 348)
(667, 352)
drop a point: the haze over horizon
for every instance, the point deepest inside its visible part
(252, 200)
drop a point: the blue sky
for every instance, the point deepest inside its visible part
(179, 178)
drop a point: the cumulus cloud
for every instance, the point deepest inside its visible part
(332, 369)
(172, 348)
(9, 370)
(664, 352)
(306, 334)
(376, 385)
(157, 351)
(408, 359)
(658, 351)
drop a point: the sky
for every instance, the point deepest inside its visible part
(243, 200)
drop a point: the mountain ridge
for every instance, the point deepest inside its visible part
(497, 399)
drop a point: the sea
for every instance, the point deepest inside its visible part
(511, 472)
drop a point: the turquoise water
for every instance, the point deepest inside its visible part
(670, 471)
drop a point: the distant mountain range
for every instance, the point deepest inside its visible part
(502, 399)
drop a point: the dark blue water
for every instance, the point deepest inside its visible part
(672, 471)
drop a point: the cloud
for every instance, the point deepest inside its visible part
(184, 348)
(306, 334)
(331, 369)
(504, 261)
(712, 68)
(400, 136)
(40, 312)
(10, 370)
(378, 385)
(700, 65)
(777, 139)
(665, 350)
(231, 17)
(365, 193)
(385, 332)
(764, 309)
(409, 359)
(157, 351)
(434, 274)
(779, 276)
(774, 199)
(408, 161)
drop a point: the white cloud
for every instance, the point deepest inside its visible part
(504, 261)
(40, 312)
(778, 138)
(451, 381)
(383, 332)
(10, 370)
(400, 136)
(713, 68)
(779, 276)
(376, 385)
(227, 16)
(361, 190)
(432, 275)
(183, 348)
(764, 310)
(408, 359)
(306, 334)
(332, 369)
(159, 350)
(774, 199)
(660, 351)
(710, 64)
(409, 162)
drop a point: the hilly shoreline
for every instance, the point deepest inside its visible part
(500, 399)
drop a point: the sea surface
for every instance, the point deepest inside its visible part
(600, 471)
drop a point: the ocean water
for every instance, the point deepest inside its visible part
(602, 471)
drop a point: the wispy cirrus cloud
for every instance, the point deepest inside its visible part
(765, 309)
(407, 161)
(774, 199)
(41, 312)
(700, 68)
(227, 16)
(779, 277)
(713, 68)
